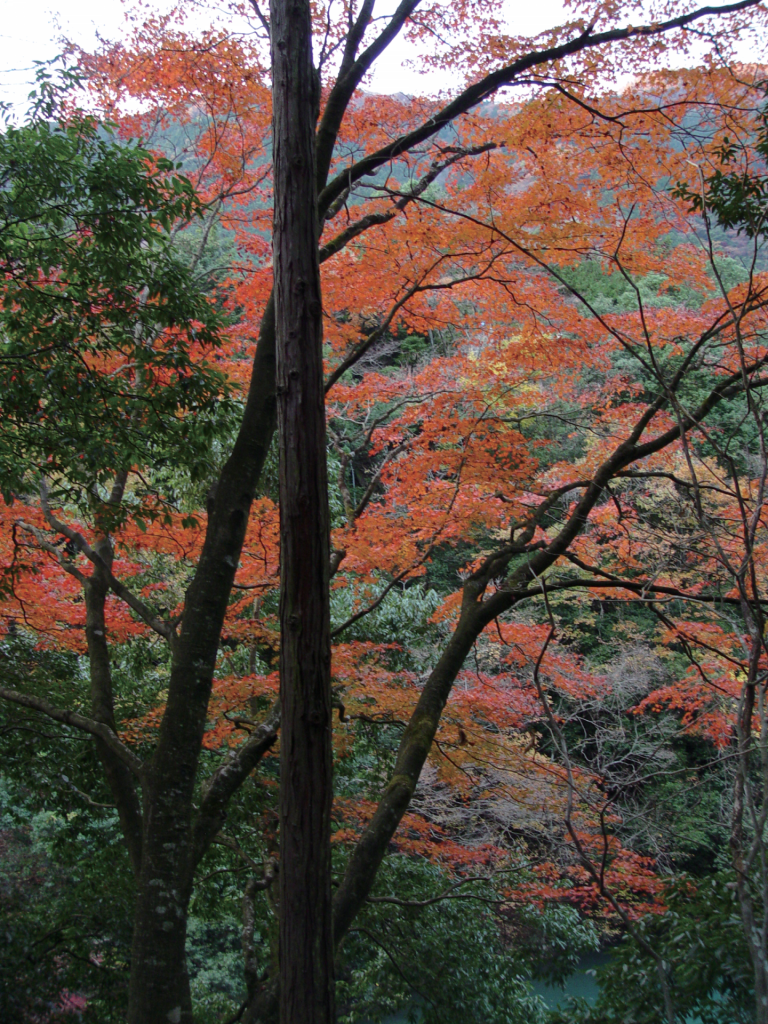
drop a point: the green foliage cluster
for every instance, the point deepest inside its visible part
(440, 960)
(101, 326)
(737, 199)
(65, 883)
(705, 956)
(618, 292)
(65, 906)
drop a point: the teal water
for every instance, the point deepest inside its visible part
(581, 983)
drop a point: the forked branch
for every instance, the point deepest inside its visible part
(77, 721)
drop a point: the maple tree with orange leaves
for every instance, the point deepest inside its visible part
(483, 409)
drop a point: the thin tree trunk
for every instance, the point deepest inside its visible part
(158, 844)
(306, 944)
(753, 933)
(119, 778)
(159, 986)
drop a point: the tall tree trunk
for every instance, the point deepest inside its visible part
(306, 945)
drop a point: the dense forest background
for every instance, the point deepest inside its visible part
(545, 343)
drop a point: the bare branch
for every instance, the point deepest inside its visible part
(351, 75)
(448, 894)
(262, 17)
(72, 718)
(486, 87)
(225, 781)
(161, 626)
(358, 227)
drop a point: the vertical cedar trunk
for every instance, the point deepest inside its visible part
(306, 946)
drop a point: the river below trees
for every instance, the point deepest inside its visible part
(582, 983)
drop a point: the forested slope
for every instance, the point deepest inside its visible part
(544, 340)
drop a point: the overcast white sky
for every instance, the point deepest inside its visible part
(30, 30)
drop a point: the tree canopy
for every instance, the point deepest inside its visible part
(540, 331)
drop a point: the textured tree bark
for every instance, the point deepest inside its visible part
(306, 943)
(159, 985)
